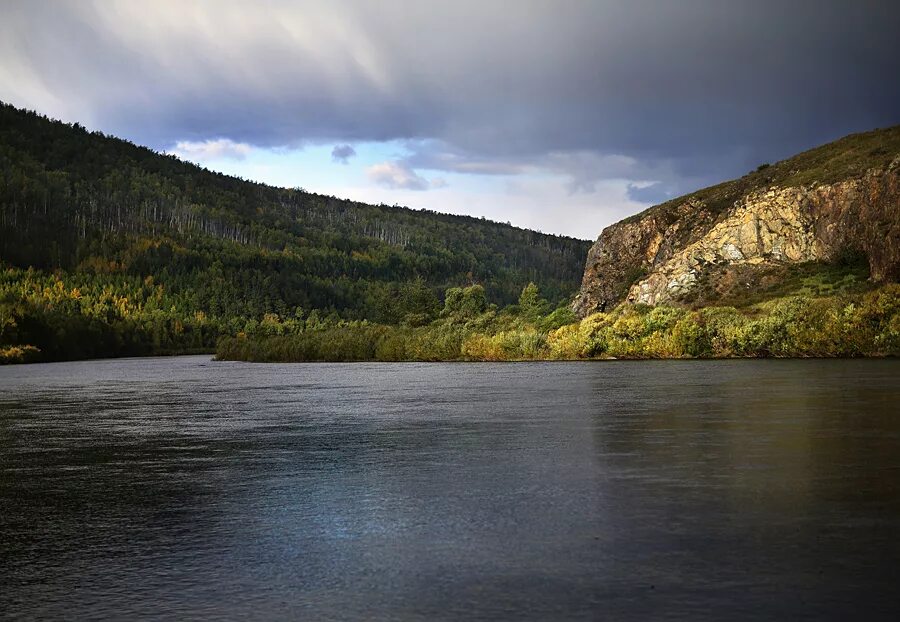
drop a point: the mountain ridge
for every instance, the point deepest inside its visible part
(110, 249)
(63, 188)
(834, 200)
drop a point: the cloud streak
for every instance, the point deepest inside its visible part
(680, 93)
(395, 174)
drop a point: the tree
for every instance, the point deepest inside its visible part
(531, 305)
(464, 303)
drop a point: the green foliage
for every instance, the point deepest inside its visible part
(509, 345)
(109, 249)
(464, 303)
(348, 341)
(558, 317)
(91, 316)
(103, 215)
(413, 304)
(850, 325)
(662, 318)
(690, 336)
(531, 305)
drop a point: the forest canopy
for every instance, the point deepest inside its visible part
(108, 248)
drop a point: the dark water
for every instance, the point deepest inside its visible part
(184, 489)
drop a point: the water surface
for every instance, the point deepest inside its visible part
(183, 488)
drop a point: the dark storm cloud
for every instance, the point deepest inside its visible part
(342, 153)
(687, 92)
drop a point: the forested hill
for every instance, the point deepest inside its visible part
(111, 216)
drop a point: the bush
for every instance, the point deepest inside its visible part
(566, 342)
(464, 303)
(689, 336)
(19, 354)
(726, 331)
(629, 327)
(775, 334)
(506, 345)
(558, 318)
(595, 334)
(661, 319)
(846, 325)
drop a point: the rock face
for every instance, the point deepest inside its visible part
(661, 255)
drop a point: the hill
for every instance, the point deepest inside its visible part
(832, 211)
(795, 259)
(109, 248)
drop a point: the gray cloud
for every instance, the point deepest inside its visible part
(397, 175)
(682, 93)
(583, 169)
(656, 192)
(342, 153)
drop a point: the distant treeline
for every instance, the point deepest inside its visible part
(59, 317)
(103, 216)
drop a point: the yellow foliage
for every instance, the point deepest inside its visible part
(18, 354)
(481, 348)
(565, 342)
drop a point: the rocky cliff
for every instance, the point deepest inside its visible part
(837, 200)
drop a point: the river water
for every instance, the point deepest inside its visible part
(183, 488)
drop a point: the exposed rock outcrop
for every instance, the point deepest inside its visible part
(662, 254)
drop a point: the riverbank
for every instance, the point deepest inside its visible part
(798, 326)
(818, 319)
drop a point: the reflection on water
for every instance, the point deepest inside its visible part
(185, 488)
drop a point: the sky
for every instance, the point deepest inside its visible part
(561, 115)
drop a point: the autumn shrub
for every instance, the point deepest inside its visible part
(595, 332)
(798, 325)
(689, 336)
(880, 310)
(557, 319)
(18, 354)
(726, 331)
(437, 343)
(566, 342)
(506, 345)
(660, 344)
(662, 318)
(774, 334)
(629, 326)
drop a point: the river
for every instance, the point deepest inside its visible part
(183, 488)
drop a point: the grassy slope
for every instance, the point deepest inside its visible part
(847, 157)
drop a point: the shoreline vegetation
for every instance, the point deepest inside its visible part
(795, 326)
(113, 250)
(822, 311)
